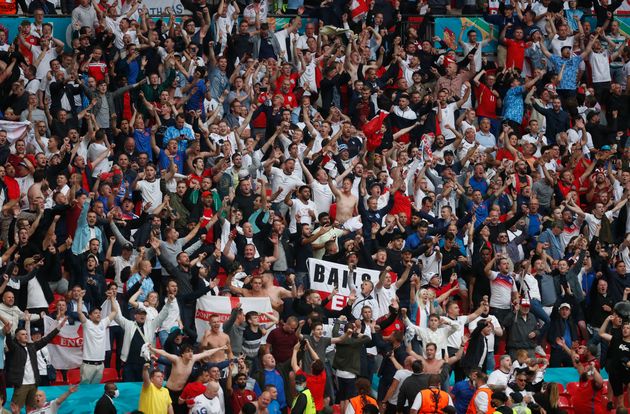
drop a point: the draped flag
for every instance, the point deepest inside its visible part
(66, 349)
(222, 305)
(358, 10)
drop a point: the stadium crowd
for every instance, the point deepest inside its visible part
(157, 161)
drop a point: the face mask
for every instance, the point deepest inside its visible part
(300, 388)
(116, 394)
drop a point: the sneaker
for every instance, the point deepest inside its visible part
(540, 350)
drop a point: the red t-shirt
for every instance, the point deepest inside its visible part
(241, 397)
(588, 400)
(515, 53)
(97, 70)
(316, 384)
(504, 154)
(13, 188)
(486, 102)
(293, 78)
(290, 100)
(396, 326)
(207, 215)
(20, 165)
(25, 51)
(190, 391)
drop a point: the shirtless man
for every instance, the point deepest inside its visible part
(181, 369)
(262, 286)
(216, 338)
(346, 202)
(263, 402)
(432, 364)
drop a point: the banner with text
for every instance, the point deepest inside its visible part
(325, 276)
(66, 349)
(222, 305)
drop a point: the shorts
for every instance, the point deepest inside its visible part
(347, 388)
(617, 378)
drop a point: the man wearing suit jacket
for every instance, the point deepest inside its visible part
(105, 404)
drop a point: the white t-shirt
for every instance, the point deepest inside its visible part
(302, 209)
(593, 222)
(533, 139)
(94, 339)
(455, 338)
(150, 193)
(557, 44)
(204, 405)
(490, 338)
(94, 150)
(29, 375)
(384, 298)
(430, 266)
(44, 64)
(280, 180)
(172, 318)
(600, 66)
(401, 375)
(48, 408)
(498, 378)
(36, 297)
(448, 118)
(322, 196)
(501, 288)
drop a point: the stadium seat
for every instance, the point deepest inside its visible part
(109, 375)
(59, 379)
(74, 376)
(564, 401)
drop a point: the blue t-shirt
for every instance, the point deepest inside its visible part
(274, 378)
(571, 68)
(463, 392)
(164, 162)
(195, 102)
(143, 141)
(513, 104)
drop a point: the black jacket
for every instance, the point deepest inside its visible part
(104, 405)
(17, 358)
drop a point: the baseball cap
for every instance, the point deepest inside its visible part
(300, 379)
(564, 305)
(35, 330)
(342, 147)
(605, 148)
(206, 194)
(177, 329)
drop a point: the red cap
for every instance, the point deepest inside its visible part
(206, 194)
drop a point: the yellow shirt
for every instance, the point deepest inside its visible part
(154, 400)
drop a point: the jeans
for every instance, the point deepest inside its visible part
(132, 372)
(116, 334)
(490, 362)
(163, 335)
(537, 310)
(302, 279)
